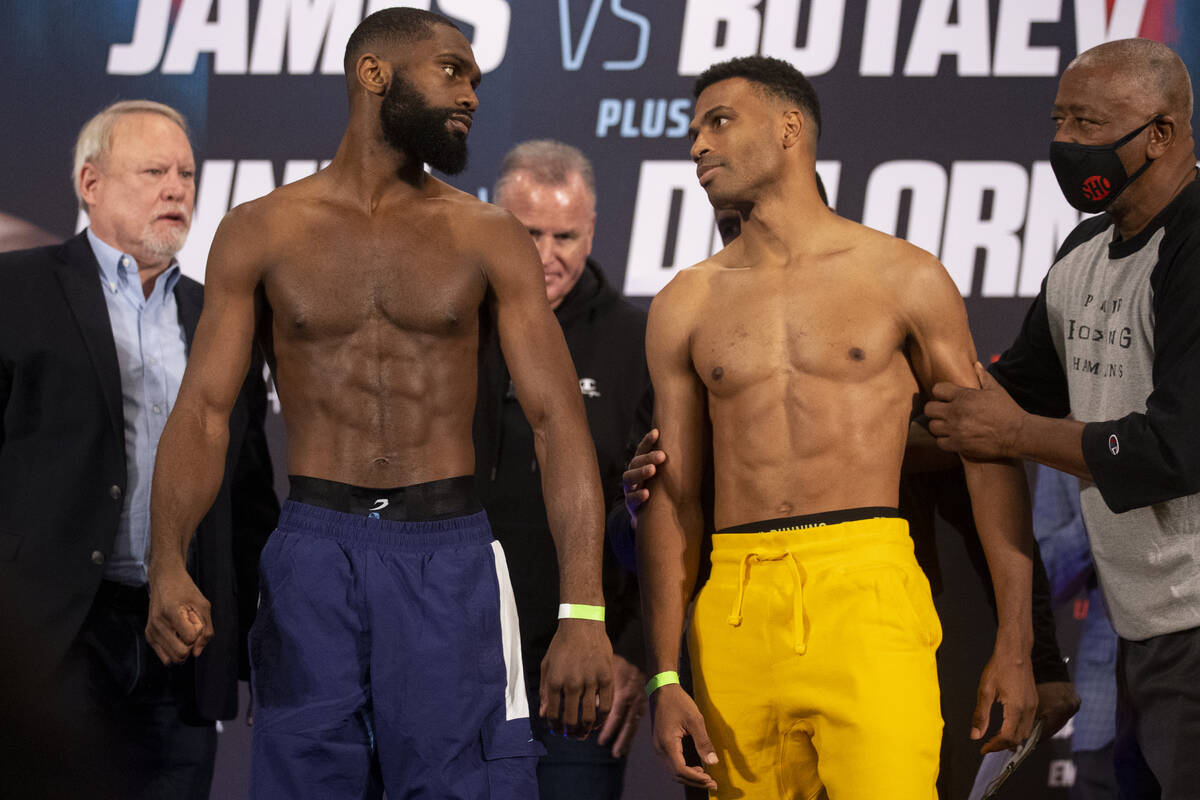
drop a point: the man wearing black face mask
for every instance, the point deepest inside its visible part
(1105, 376)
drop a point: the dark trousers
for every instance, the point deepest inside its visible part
(161, 748)
(579, 770)
(1157, 749)
(1095, 778)
(573, 769)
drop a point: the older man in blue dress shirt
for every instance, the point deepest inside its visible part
(94, 337)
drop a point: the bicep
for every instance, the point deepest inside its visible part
(221, 349)
(679, 402)
(940, 344)
(530, 336)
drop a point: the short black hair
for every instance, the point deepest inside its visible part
(776, 77)
(391, 26)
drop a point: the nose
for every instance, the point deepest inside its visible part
(175, 186)
(545, 248)
(699, 148)
(469, 100)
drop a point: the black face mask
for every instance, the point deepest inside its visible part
(1092, 176)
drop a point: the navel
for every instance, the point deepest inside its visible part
(380, 462)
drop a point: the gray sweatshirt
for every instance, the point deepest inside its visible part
(1114, 339)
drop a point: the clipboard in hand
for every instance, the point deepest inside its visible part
(996, 767)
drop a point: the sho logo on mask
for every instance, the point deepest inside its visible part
(1114, 446)
(1096, 187)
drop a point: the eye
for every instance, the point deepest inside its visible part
(450, 69)
(719, 121)
(187, 174)
(155, 171)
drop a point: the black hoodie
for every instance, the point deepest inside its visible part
(606, 337)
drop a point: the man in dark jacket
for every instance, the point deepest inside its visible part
(549, 187)
(94, 334)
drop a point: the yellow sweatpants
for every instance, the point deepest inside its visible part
(813, 659)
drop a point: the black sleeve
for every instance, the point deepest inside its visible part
(618, 530)
(619, 527)
(627, 634)
(1030, 370)
(1142, 459)
(624, 613)
(255, 507)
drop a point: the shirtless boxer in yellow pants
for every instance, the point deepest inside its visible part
(792, 359)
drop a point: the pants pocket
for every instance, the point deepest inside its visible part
(511, 755)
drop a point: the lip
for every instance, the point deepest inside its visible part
(460, 122)
(178, 219)
(705, 170)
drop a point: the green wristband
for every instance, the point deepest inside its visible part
(660, 680)
(580, 611)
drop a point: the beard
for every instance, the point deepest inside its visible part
(417, 129)
(165, 244)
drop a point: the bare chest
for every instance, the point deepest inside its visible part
(754, 331)
(335, 280)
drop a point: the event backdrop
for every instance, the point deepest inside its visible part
(937, 112)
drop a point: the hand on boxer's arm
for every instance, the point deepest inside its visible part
(628, 706)
(179, 622)
(642, 467)
(982, 423)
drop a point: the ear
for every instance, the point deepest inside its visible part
(794, 125)
(89, 178)
(374, 75)
(591, 232)
(1162, 136)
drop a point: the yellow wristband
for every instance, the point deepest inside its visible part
(580, 611)
(660, 680)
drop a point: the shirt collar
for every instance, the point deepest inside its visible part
(113, 262)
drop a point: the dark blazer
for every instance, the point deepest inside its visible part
(62, 473)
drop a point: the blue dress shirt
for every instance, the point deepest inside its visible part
(1063, 540)
(152, 352)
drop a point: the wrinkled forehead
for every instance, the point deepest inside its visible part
(139, 134)
(1105, 90)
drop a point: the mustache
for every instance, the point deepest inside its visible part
(173, 210)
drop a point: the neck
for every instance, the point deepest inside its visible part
(1151, 193)
(368, 168)
(149, 266)
(148, 274)
(785, 215)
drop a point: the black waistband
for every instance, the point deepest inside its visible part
(433, 500)
(814, 520)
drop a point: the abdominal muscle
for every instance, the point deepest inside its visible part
(379, 412)
(779, 452)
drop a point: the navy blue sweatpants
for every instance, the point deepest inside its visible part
(386, 655)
